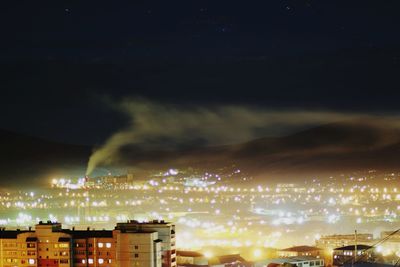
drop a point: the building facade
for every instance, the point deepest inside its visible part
(350, 254)
(49, 245)
(304, 261)
(166, 234)
(330, 242)
(300, 251)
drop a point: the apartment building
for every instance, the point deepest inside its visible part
(166, 233)
(48, 245)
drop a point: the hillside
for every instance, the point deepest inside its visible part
(327, 149)
(29, 159)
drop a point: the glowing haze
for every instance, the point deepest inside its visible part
(154, 125)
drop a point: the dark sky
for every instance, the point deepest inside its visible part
(60, 58)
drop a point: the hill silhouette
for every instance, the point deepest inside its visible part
(327, 149)
(27, 160)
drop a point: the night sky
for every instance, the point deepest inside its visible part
(61, 59)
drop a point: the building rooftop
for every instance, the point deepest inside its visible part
(144, 223)
(352, 247)
(303, 258)
(10, 234)
(48, 223)
(80, 234)
(347, 236)
(301, 249)
(184, 253)
(288, 260)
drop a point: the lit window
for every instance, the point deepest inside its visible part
(101, 261)
(31, 261)
(100, 245)
(83, 261)
(90, 261)
(108, 245)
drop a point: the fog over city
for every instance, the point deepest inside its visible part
(200, 133)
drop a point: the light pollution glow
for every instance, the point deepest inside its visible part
(219, 213)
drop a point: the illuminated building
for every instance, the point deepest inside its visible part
(346, 255)
(330, 242)
(46, 246)
(166, 233)
(190, 258)
(49, 245)
(304, 261)
(299, 251)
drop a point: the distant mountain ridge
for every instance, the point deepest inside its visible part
(334, 148)
(327, 149)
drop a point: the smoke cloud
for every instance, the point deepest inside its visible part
(154, 126)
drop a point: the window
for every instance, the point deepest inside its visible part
(312, 263)
(64, 245)
(83, 261)
(108, 245)
(79, 245)
(101, 261)
(63, 261)
(63, 253)
(136, 255)
(136, 247)
(90, 261)
(100, 245)
(31, 261)
(31, 245)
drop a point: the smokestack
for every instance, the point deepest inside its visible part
(355, 246)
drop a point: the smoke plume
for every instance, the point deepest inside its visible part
(154, 126)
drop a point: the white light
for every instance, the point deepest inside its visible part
(208, 254)
(257, 253)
